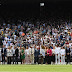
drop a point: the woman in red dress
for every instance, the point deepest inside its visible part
(49, 55)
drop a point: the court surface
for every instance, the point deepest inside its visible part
(35, 68)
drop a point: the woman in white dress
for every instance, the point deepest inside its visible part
(27, 56)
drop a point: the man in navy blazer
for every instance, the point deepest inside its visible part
(36, 55)
(68, 54)
(3, 51)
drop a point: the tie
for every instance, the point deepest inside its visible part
(31, 50)
(3, 50)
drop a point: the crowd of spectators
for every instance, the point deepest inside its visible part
(39, 42)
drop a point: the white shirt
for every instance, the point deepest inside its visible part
(6, 45)
(42, 51)
(57, 50)
(13, 51)
(53, 51)
(53, 43)
(4, 42)
(37, 46)
(6, 38)
(62, 51)
(30, 41)
(65, 30)
(14, 37)
(9, 52)
(31, 50)
(27, 52)
(0, 52)
(45, 40)
(70, 44)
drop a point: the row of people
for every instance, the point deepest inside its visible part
(36, 54)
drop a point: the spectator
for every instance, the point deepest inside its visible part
(47, 32)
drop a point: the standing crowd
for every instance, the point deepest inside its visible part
(42, 42)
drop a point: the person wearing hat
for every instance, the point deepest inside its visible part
(23, 55)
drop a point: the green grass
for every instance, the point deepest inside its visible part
(35, 68)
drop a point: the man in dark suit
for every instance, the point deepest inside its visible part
(3, 51)
(36, 55)
(16, 55)
(1, 41)
(68, 54)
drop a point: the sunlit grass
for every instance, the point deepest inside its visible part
(35, 68)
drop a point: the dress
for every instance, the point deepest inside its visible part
(27, 56)
(22, 56)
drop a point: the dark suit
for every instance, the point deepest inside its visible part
(1, 42)
(16, 55)
(36, 55)
(3, 51)
(68, 56)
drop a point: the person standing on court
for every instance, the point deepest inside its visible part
(36, 55)
(23, 55)
(0, 56)
(62, 52)
(16, 55)
(9, 55)
(3, 51)
(57, 54)
(68, 54)
(49, 53)
(31, 52)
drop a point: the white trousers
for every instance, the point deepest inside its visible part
(57, 59)
(32, 59)
(62, 59)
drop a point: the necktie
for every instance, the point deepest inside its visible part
(31, 50)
